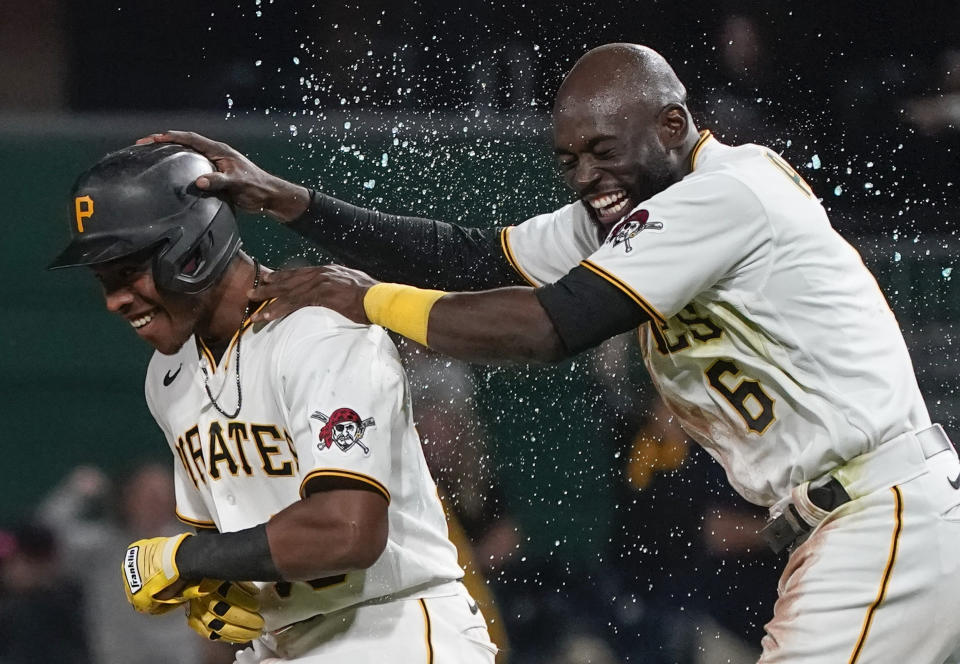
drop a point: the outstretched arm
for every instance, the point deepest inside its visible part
(424, 252)
(520, 324)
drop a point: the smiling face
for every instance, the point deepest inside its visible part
(621, 131)
(610, 154)
(164, 320)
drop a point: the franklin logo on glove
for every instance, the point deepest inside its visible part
(131, 570)
(150, 570)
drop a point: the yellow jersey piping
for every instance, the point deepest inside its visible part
(347, 474)
(887, 572)
(632, 294)
(426, 620)
(505, 245)
(705, 135)
(197, 523)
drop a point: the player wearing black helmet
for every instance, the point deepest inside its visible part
(347, 542)
(192, 235)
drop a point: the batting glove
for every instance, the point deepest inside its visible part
(149, 568)
(228, 611)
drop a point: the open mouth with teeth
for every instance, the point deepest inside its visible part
(144, 320)
(609, 207)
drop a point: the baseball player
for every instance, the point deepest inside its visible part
(294, 449)
(760, 326)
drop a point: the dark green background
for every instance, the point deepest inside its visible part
(72, 374)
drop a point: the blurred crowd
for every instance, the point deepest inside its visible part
(683, 578)
(872, 94)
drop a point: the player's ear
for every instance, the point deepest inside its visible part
(672, 126)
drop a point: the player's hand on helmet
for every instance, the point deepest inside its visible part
(246, 185)
(227, 611)
(151, 579)
(332, 286)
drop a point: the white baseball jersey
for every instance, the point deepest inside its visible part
(769, 338)
(322, 398)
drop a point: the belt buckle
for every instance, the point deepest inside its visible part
(782, 532)
(788, 529)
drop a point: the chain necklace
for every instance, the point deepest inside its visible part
(206, 376)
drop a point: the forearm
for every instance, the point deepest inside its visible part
(346, 535)
(422, 252)
(522, 324)
(299, 543)
(243, 555)
(500, 324)
(506, 324)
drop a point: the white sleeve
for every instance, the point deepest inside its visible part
(682, 242)
(190, 506)
(346, 400)
(544, 248)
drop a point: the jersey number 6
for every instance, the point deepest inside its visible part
(757, 411)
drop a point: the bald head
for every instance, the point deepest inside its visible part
(621, 129)
(621, 75)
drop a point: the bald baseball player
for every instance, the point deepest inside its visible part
(760, 326)
(294, 449)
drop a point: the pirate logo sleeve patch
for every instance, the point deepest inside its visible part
(344, 428)
(631, 227)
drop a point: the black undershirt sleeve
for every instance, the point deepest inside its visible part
(243, 555)
(411, 250)
(586, 309)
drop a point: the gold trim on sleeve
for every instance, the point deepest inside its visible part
(508, 252)
(197, 523)
(632, 294)
(348, 474)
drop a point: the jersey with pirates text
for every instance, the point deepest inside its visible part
(324, 401)
(768, 337)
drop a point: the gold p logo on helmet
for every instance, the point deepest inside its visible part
(84, 209)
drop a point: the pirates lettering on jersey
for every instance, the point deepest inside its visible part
(689, 325)
(221, 450)
(343, 427)
(747, 397)
(631, 227)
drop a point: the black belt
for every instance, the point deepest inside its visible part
(784, 531)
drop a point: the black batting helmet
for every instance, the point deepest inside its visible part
(143, 197)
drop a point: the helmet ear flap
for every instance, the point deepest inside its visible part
(192, 267)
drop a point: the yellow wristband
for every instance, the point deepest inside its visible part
(403, 309)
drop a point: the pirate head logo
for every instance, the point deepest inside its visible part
(631, 227)
(343, 427)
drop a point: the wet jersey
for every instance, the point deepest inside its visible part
(325, 402)
(768, 337)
